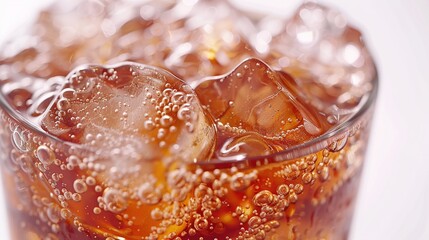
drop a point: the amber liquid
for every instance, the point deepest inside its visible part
(311, 197)
(244, 182)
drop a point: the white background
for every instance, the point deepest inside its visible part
(394, 197)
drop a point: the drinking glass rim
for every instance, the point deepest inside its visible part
(303, 149)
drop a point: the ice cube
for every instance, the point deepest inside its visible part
(61, 38)
(142, 112)
(192, 39)
(341, 66)
(195, 39)
(255, 99)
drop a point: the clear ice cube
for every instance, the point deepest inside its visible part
(253, 98)
(142, 112)
(326, 55)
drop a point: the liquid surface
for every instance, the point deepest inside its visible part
(139, 92)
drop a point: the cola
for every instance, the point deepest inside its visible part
(184, 120)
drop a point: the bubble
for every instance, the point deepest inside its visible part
(45, 155)
(298, 188)
(167, 92)
(96, 210)
(274, 224)
(307, 178)
(283, 189)
(161, 133)
(156, 214)
(178, 98)
(90, 181)
(26, 164)
(114, 200)
(166, 121)
(201, 224)
(79, 186)
(243, 218)
(260, 235)
(19, 140)
(324, 173)
(149, 125)
(202, 191)
(65, 213)
(76, 197)
(207, 177)
(239, 182)
(55, 228)
(98, 188)
(185, 112)
(192, 232)
(63, 104)
(292, 198)
(254, 222)
(177, 178)
(149, 194)
(282, 205)
(211, 202)
(53, 214)
(338, 144)
(55, 177)
(263, 198)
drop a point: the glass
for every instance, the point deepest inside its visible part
(59, 189)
